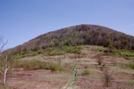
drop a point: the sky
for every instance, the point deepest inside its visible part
(22, 20)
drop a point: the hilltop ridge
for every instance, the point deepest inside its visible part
(84, 34)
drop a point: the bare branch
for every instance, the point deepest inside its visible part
(1, 72)
(5, 59)
(2, 44)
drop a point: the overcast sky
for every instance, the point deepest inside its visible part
(22, 20)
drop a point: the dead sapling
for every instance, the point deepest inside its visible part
(99, 60)
(6, 61)
(107, 78)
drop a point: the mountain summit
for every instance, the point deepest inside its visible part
(83, 34)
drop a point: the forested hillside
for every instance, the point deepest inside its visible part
(79, 35)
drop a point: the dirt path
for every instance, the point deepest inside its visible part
(67, 86)
(70, 85)
(46, 79)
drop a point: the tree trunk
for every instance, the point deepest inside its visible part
(5, 76)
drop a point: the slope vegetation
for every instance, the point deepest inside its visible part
(79, 35)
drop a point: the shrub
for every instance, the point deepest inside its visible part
(28, 53)
(34, 53)
(99, 59)
(56, 67)
(127, 54)
(30, 64)
(36, 64)
(65, 49)
(131, 65)
(107, 78)
(72, 49)
(33, 64)
(56, 51)
(86, 72)
(99, 49)
(40, 51)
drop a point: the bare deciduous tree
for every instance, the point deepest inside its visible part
(5, 60)
(107, 78)
(99, 59)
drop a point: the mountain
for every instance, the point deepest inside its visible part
(83, 34)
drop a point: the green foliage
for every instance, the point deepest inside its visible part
(130, 82)
(56, 51)
(131, 65)
(4, 87)
(86, 72)
(28, 53)
(65, 49)
(99, 49)
(40, 51)
(107, 43)
(36, 64)
(74, 36)
(123, 53)
(127, 54)
(56, 67)
(33, 64)
(72, 49)
(52, 51)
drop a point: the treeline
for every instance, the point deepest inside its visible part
(79, 35)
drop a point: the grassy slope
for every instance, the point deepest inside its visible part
(89, 73)
(64, 48)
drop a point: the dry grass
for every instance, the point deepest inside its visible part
(38, 79)
(107, 78)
